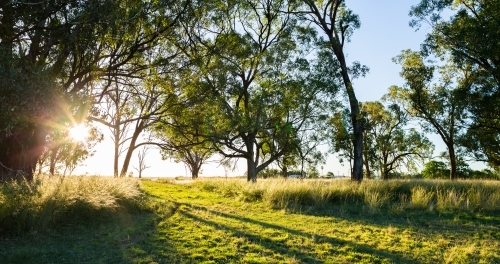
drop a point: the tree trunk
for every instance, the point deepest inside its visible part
(285, 171)
(52, 165)
(385, 171)
(250, 157)
(367, 168)
(116, 131)
(385, 174)
(7, 28)
(130, 151)
(19, 152)
(251, 170)
(357, 125)
(194, 172)
(453, 162)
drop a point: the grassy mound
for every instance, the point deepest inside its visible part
(49, 201)
(442, 195)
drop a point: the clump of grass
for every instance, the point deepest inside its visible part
(374, 194)
(48, 201)
(421, 198)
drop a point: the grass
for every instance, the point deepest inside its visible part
(231, 221)
(441, 196)
(50, 201)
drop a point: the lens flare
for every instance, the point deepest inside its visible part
(79, 132)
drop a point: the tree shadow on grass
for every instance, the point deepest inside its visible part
(423, 222)
(283, 249)
(124, 239)
(256, 239)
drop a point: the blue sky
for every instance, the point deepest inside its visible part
(384, 33)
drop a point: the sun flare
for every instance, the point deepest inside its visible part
(79, 132)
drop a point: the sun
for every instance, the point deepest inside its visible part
(79, 132)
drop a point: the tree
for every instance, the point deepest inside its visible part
(192, 150)
(141, 158)
(469, 39)
(255, 82)
(129, 109)
(270, 173)
(485, 174)
(312, 172)
(341, 141)
(51, 50)
(435, 170)
(438, 105)
(391, 143)
(338, 23)
(66, 151)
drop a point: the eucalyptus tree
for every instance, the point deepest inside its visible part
(253, 78)
(437, 103)
(316, 87)
(470, 39)
(392, 143)
(341, 141)
(52, 50)
(338, 22)
(64, 152)
(184, 144)
(304, 151)
(132, 108)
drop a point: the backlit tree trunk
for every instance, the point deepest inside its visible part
(21, 152)
(453, 162)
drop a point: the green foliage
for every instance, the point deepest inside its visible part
(312, 172)
(437, 104)
(259, 92)
(270, 173)
(54, 54)
(341, 140)
(440, 170)
(435, 170)
(486, 174)
(388, 143)
(51, 201)
(468, 40)
(63, 154)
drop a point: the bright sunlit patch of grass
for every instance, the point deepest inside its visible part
(216, 214)
(49, 201)
(282, 221)
(424, 195)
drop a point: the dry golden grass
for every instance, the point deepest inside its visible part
(48, 201)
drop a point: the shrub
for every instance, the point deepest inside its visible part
(49, 201)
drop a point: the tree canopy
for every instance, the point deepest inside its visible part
(264, 81)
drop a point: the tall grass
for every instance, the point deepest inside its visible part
(48, 201)
(429, 195)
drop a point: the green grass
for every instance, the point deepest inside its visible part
(231, 221)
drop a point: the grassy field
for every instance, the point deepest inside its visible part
(276, 221)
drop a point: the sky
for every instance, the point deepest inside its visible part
(384, 33)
